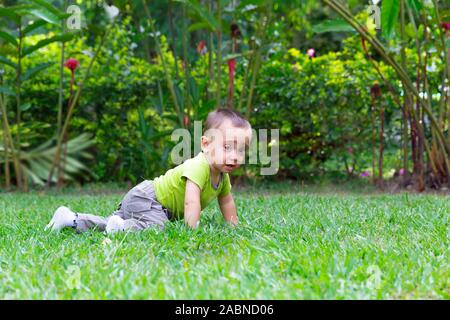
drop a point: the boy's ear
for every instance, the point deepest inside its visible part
(204, 142)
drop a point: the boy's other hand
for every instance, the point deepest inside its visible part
(192, 207)
(228, 208)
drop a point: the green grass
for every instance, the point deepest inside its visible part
(292, 243)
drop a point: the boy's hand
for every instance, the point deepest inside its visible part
(192, 207)
(228, 209)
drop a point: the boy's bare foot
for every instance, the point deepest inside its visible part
(63, 217)
(115, 223)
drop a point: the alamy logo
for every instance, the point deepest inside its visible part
(375, 13)
(74, 21)
(259, 147)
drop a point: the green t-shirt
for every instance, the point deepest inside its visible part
(170, 187)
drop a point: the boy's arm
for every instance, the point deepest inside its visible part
(192, 207)
(228, 209)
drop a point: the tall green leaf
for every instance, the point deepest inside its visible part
(6, 61)
(50, 8)
(7, 90)
(389, 14)
(8, 38)
(337, 25)
(36, 24)
(415, 5)
(24, 107)
(46, 15)
(36, 163)
(61, 38)
(32, 72)
(198, 26)
(203, 12)
(8, 13)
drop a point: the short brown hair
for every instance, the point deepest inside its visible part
(215, 119)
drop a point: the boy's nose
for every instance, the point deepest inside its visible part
(233, 158)
(238, 157)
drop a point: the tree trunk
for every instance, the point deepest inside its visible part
(219, 55)
(381, 149)
(374, 138)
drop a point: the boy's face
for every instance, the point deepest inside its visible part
(225, 146)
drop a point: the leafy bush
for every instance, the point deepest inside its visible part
(322, 106)
(121, 84)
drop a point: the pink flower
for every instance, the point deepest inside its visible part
(401, 172)
(311, 53)
(72, 64)
(446, 25)
(350, 150)
(365, 174)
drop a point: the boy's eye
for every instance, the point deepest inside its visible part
(227, 147)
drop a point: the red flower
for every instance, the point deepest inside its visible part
(71, 64)
(186, 120)
(446, 25)
(201, 47)
(231, 67)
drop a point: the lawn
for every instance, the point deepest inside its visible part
(292, 243)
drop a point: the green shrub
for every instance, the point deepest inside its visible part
(321, 106)
(120, 85)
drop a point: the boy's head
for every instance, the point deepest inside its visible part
(226, 135)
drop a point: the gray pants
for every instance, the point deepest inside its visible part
(139, 208)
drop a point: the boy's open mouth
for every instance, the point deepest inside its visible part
(230, 166)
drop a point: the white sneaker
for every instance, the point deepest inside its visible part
(63, 217)
(115, 223)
